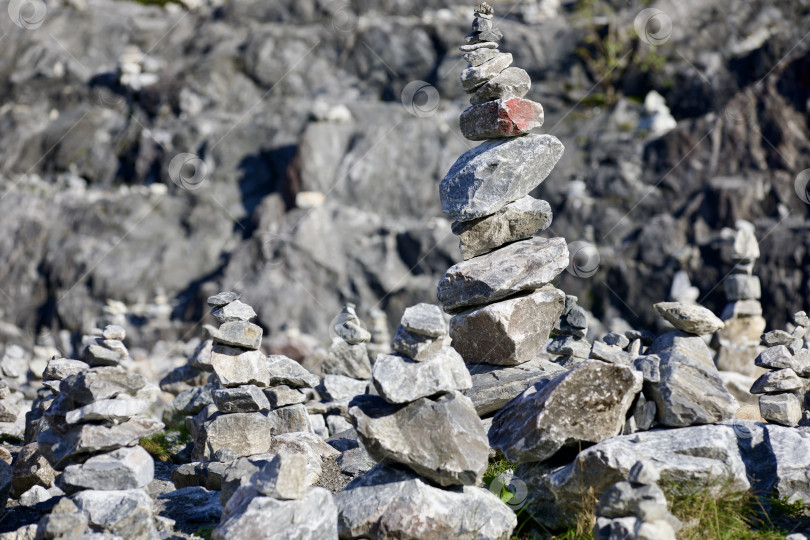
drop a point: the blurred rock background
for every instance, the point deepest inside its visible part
(312, 136)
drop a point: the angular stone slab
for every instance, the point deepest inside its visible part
(784, 409)
(282, 478)
(125, 468)
(487, 178)
(244, 399)
(516, 221)
(106, 410)
(775, 382)
(101, 383)
(61, 368)
(283, 395)
(126, 513)
(244, 433)
(587, 404)
(742, 287)
(522, 266)
(777, 357)
(234, 311)
(500, 118)
(495, 386)
(287, 371)
(424, 320)
(347, 359)
(350, 328)
(237, 334)
(235, 366)
(417, 347)
(223, 299)
(508, 332)
(513, 82)
(441, 439)
(401, 380)
(474, 76)
(385, 502)
(689, 318)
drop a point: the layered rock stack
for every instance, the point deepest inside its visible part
(108, 349)
(93, 427)
(503, 305)
(569, 342)
(380, 336)
(738, 342)
(256, 396)
(348, 356)
(421, 421)
(781, 389)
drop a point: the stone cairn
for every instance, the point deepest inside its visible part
(635, 509)
(423, 432)
(503, 305)
(738, 342)
(380, 336)
(781, 388)
(256, 396)
(571, 328)
(90, 431)
(108, 349)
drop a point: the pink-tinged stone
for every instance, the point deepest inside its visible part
(501, 118)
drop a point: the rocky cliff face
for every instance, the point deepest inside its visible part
(312, 136)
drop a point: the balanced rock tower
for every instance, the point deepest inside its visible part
(503, 305)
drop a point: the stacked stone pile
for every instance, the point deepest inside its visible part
(569, 342)
(256, 396)
(380, 336)
(108, 349)
(781, 389)
(90, 432)
(738, 341)
(636, 508)
(421, 421)
(348, 355)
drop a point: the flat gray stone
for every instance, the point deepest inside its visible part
(283, 477)
(283, 395)
(610, 353)
(650, 367)
(775, 338)
(244, 433)
(516, 221)
(784, 409)
(107, 410)
(479, 56)
(293, 418)
(441, 439)
(508, 332)
(61, 368)
(494, 386)
(338, 387)
(490, 176)
(775, 357)
(689, 318)
(774, 382)
(193, 401)
(742, 287)
(237, 334)
(523, 266)
(234, 311)
(401, 380)
(101, 383)
(568, 345)
(387, 499)
(587, 404)
(243, 399)
(125, 468)
(124, 513)
(474, 76)
(682, 345)
(513, 82)
(424, 320)
(287, 371)
(617, 339)
(236, 367)
(223, 298)
(417, 347)
(112, 331)
(96, 355)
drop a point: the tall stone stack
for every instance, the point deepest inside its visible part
(781, 389)
(739, 340)
(503, 305)
(348, 355)
(256, 396)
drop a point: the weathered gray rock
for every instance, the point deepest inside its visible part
(194, 400)
(587, 404)
(689, 318)
(742, 287)
(416, 346)
(487, 178)
(106, 410)
(293, 418)
(746, 454)
(401, 380)
(338, 387)
(34, 496)
(495, 386)
(646, 502)
(617, 339)
(64, 521)
(522, 266)
(283, 477)
(610, 353)
(244, 433)
(236, 367)
(474, 76)
(223, 299)
(500, 118)
(644, 472)
(234, 311)
(516, 221)
(125, 468)
(775, 357)
(190, 505)
(681, 345)
(568, 345)
(287, 371)
(61, 448)
(30, 468)
(784, 409)
(283, 395)
(384, 501)
(112, 331)
(350, 328)
(243, 399)
(125, 513)
(101, 383)
(424, 320)
(237, 334)
(479, 56)
(246, 515)
(513, 82)
(800, 318)
(623, 528)
(776, 338)
(201, 358)
(61, 368)
(508, 332)
(347, 359)
(441, 439)
(336, 423)
(774, 382)
(355, 461)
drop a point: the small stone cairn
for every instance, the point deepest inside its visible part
(738, 341)
(635, 509)
(569, 342)
(503, 305)
(256, 396)
(781, 388)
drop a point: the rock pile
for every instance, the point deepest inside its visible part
(348, 356)
(635, 509)
(569, 342)
(107, 349)
(781, 389)
(256, 396)
(738, 341)
(14, 371)
(421, 421)
(90, 432)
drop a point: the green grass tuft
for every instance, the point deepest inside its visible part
(163, 445)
